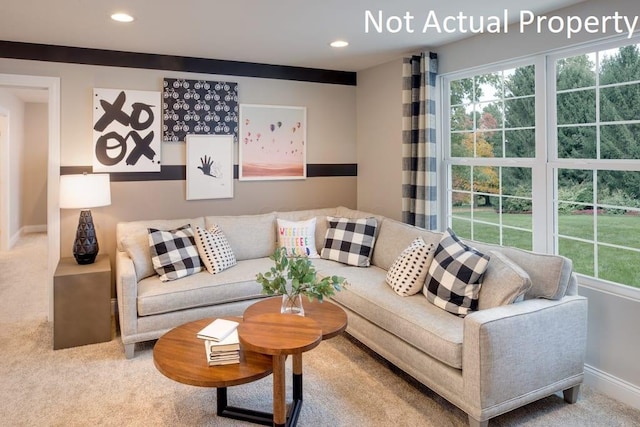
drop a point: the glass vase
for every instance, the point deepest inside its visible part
(292, 304)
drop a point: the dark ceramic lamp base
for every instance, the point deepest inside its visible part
(85, 247)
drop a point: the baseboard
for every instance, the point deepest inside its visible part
(613, 387)
(14, 239)
(41, 228)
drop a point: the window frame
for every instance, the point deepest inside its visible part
(546, 162)
(447, 161)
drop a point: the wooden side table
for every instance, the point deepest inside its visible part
(81, 302)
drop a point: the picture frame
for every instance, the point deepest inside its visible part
(126, 130)
(200, 107)
(273, 142)
(209, 167)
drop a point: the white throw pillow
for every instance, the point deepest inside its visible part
(214, 249)
(409, 271)
(298, 237)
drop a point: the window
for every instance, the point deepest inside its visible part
(595, 167)
(492, 127)
(563, 160)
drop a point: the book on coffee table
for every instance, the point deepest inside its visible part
(218, 330)
(223, 352)
(230, 343)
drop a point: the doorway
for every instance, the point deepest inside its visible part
(52, 85)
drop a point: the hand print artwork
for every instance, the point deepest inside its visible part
(209, 166)
(272, 142)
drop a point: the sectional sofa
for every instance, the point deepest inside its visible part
(525, 340)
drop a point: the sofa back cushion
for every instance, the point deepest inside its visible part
(344, 212)
(394, 237)
(250, 236)
(504, 282)
(133, 238)
(550, 274)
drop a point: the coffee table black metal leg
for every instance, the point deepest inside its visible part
(243, 414)
(296, 404)
(265, 418)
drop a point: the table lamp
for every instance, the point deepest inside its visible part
(83, 192)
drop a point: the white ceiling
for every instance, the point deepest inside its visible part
(282, 32)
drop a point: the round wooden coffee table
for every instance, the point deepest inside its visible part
(265, 330)
(180, 356)
(331, 318)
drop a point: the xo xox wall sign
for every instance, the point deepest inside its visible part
(199, 107)
(126, 131)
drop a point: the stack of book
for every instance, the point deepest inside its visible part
(221, 342)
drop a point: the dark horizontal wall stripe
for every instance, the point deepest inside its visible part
(350, 169)
(178, 172)
(149, 61)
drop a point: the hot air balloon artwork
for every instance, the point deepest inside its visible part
(283, 156)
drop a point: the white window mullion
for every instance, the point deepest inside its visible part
(595, 223)
(540, 179)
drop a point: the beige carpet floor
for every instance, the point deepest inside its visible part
(344, 384)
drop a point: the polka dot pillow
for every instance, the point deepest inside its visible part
(214, 249)
(409, 271)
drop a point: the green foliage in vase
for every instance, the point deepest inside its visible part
(302, 276)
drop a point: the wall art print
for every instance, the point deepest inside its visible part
(199, 107)
(126, 130)
(209, 167)
(273, 142)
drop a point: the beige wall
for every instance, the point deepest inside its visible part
(380, 139)
(491, 48)
(331, 127)
(34, 167)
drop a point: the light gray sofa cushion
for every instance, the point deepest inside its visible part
(133, 237)
(250, 236)
(504, 282)
(202, 289)
(394, 237)
(345, 212)
(413, 318)
(550, 274)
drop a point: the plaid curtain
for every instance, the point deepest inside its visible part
(419, 191)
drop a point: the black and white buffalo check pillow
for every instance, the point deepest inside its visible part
(174, 253)
(453, 281)
(350, 241)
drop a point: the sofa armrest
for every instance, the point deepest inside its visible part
(534, 346)
(127, 293)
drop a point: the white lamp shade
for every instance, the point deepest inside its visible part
(84, 191)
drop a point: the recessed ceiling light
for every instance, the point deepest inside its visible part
(339, 43)
(122, 17)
